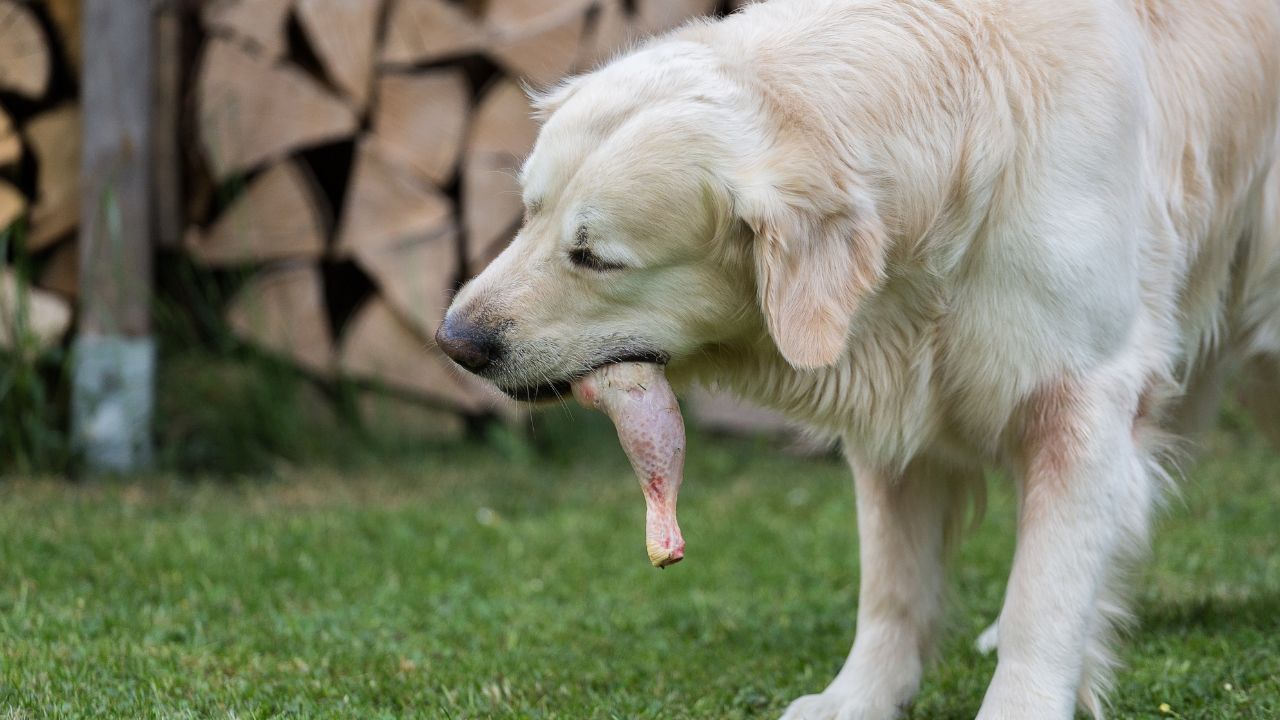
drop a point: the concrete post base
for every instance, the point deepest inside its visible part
(112, 398)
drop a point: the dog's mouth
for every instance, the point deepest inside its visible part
(562, 388)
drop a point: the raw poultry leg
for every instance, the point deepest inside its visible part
(639, 401)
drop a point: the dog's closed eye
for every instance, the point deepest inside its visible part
(583, 257)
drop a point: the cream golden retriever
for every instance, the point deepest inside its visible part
(958, 234)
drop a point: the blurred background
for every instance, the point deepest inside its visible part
(275, 227)
(238, 480)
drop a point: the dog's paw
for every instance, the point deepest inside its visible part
(834, 706)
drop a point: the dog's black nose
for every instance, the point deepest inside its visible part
(472, 346)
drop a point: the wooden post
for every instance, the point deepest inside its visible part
(166, 133)
(114, 354)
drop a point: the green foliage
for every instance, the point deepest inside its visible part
(235, 415)
(32, 415)
(221, 408)
(245, 413)
(474, 582)
(33, 385)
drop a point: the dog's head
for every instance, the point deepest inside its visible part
(669, 208)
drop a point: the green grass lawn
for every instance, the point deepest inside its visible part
(509, 579)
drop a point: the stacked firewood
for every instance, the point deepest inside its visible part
(39, 171)
(382, 135)
(353, 159)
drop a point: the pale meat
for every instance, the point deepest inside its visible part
(639, 401)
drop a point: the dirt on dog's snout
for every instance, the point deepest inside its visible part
(643, 408)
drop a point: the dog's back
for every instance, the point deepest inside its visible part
(1180, 98)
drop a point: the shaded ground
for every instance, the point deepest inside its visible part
(508, 581)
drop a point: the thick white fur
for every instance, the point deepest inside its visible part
(1031, 234)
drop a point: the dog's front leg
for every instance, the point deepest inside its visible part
(901, 529)
(1087, 487)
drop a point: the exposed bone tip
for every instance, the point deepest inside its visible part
(661, 555)
(663, 558)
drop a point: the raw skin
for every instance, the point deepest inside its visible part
(639, 401)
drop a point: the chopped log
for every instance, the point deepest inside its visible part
(30, 319)
(65, 15)
(259, 22)
(526, 17)
(422, 118)
(726, 413)
(493, 210)
(386, 416)
(424, 31)
(543, 57)
(250, 111)
(24, 51)
(656, 16)
(10, 142)
(388, 202)
(719, 412)
(503, 123)
(416, 276)
(343, 33)
(12, 205)
(400, 229)
(502, 132)
(606, 37)
(378, 345)
(282, 311)
(278, 216)
(55, 139)
(61, 272)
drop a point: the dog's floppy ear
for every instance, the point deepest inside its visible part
(815, 261)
